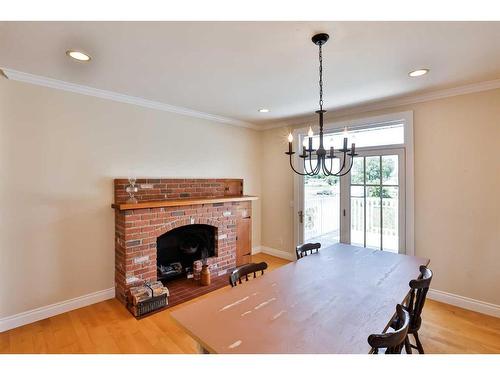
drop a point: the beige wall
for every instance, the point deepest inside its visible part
(59, 153)
(457, 191)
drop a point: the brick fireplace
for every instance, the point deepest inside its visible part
(164, 205)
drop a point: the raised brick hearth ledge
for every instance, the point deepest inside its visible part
(166, 204)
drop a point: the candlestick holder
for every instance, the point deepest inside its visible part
(131, 189)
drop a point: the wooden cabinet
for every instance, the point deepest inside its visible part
(243, 240)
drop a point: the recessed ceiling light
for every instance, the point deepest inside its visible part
(78, 55)
(263, 110)
(418, 72)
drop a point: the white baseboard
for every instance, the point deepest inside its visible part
(274, 252)
(256, 249)
(465, 302)
(44, 312)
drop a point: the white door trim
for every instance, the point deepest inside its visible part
(298, 189)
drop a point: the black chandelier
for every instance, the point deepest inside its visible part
(321, 154)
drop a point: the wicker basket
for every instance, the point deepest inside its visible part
(148, 306)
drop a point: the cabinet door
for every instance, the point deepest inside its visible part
(243, 241)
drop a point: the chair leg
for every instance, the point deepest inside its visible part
(420, 348)
(407, 345)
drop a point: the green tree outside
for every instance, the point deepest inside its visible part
(372, 176)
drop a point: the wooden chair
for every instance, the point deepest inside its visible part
(245, 270)
(302, 250)
(392, 341)
(418, 293)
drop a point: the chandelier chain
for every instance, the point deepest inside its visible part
(320, 78)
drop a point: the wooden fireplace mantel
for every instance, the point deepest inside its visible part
(182, 202)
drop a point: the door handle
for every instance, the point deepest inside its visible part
(301, 216)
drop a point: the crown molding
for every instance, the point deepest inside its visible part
(296, 121)
(117, 97)
(345, 111)
(394, 102)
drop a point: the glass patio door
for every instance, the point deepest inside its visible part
(373, 201)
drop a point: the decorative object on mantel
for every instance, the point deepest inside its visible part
(143, 300)
(131, 189)
(320, 161)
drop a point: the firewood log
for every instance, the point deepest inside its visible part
(140, 298)
(139, 294)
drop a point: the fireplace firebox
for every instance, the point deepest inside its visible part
(179, 248)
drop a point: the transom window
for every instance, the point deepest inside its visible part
(383, 135)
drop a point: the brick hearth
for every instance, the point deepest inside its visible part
(136, 230)
(182, 290)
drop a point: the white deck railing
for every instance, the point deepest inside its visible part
(322, 214)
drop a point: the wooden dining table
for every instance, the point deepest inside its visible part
(327, 302)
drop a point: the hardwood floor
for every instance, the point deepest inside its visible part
(107, 327)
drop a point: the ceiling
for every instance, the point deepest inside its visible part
(232, 69)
